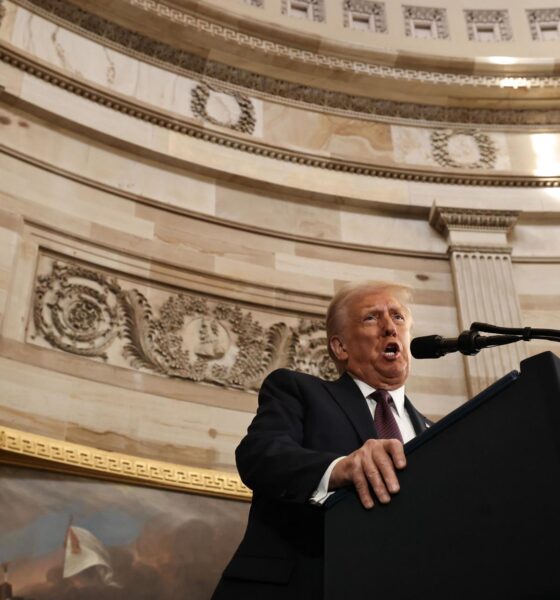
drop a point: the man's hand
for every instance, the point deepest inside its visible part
(373, 464)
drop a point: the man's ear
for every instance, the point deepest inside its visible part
(338, 348)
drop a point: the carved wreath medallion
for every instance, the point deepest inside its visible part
(246, 120)
(442, 152)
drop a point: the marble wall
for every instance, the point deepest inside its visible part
(163, 95)
(163, 248)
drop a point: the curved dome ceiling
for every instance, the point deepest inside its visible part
(262, 45)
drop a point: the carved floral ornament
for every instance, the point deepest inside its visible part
(443, 154)
(89, 313)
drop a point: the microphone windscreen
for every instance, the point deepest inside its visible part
(428, 346)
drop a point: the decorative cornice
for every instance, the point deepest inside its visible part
(169, 57)
(471, 250)
(446, 219)
(143, 113)
(254, 43)
(43, 452)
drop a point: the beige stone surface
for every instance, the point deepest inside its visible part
(112, 418)
(169, 213)
(326, 134)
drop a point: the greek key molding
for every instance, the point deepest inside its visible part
(89, 313)
(101, 28)
(439, 141)
(445, 219)
(47, 453)
(159, 53)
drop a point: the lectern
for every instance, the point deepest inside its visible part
(478, 514)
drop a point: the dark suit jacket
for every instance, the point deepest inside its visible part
(302, 424)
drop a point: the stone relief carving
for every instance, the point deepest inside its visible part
(544, 23)
(483, 157)
(257, 3)
(2, 10)
(245, 121)
(374, 10)
(499, 18)
(160, 53)
(77, 310)
(435, 17)
(314, 10)
(86, 312)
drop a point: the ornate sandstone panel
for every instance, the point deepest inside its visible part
(488, 25)
(544, 24)
(424, 21)
(314, 10)
(99, 316)
(365, 15)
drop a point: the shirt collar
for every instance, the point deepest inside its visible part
(397, 395)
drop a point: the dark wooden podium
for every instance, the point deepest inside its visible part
(478, 514)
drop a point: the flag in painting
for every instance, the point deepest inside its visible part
(83, 551)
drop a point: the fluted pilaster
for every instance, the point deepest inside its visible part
(480, 256)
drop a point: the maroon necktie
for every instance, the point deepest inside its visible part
(384, 419)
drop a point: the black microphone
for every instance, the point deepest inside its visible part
(435, 346)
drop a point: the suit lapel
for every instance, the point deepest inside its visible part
(419, 422)
(350, 399)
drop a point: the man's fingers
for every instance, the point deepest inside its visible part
(362, 488)
(376, 479)
(385, 465)
(396, 450)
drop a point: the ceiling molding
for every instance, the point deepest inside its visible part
(452, 86)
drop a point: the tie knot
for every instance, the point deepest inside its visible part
(382, 396)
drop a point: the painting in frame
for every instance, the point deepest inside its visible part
(80, 523)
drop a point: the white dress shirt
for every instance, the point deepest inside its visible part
(403, 421)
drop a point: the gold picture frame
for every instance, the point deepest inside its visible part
(31, 450)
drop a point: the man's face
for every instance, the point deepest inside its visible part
(375, 340)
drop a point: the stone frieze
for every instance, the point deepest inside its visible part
(98, 316)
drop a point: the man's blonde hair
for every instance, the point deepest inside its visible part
(337, 310)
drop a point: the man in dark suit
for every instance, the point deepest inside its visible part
(311, 437)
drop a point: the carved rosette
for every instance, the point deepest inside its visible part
(77, 310)
(246, 121)
(86, 312)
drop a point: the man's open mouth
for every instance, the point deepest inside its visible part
(391, 351)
